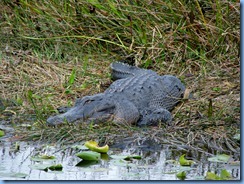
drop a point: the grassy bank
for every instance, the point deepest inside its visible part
(53, 52)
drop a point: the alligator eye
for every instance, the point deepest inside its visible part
(87, 101)
(178, 88)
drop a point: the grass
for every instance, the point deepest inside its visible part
(53, 52)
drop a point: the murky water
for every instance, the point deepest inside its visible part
(154, 165)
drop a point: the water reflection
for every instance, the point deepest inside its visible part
(154, 165)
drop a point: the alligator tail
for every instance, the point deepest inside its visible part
(122, 70)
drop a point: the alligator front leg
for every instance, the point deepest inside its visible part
(153, 117)
(126, 113)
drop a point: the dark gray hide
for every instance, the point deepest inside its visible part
(138, 96)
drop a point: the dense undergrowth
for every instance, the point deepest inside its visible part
(55, 51)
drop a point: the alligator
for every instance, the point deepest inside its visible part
(136, 97)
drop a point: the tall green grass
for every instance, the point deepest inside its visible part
(147, 31)
(47, 46)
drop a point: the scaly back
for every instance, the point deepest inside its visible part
(123, 70)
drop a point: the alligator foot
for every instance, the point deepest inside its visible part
(153, 118)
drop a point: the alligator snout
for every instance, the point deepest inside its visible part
(73, 114)
(54, 120)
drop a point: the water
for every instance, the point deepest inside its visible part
(156, 164)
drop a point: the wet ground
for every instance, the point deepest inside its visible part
(156, 163)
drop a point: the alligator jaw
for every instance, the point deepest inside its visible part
(94, 111)
(70, 116)
(55, 120)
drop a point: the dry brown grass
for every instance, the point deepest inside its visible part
(193, 128)
(199, 43)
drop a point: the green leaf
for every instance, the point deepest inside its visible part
(45, 167)
(89, 155)
(19, 101)
(72, 77)
(86, 163)
(40, 158)
(122, 163)
(181, 175)
(2, 133)
(223, 158)
(185, 162)
(211, 176)
(29, 94)
(57, 167)
(96, 3)
(132, 157)
(104, 156)
(225, 175)
(47, 157)
(216, 89)
(93, 146)
(84, 86)
(68, 91)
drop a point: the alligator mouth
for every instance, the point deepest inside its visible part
(55, 120)
(102, 115)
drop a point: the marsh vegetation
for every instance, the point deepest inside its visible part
(53, 52)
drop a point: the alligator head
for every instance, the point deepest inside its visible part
(97, 108)
(90, 108)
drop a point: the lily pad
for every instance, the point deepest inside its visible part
(93, 146)
(86, 163)
(224, 175)
(89, 155)
(104, 156)
(43, 167)
(40, 158)
(122, 163)
(126, 157)
(185, 162)
(223, 158)
(211, 176)
(181, 175)
(57, 167)
(13, 175)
